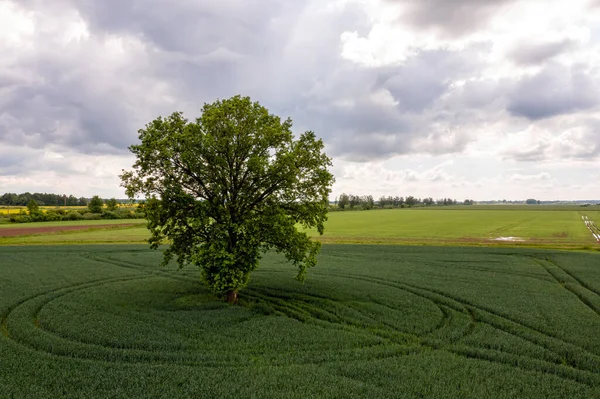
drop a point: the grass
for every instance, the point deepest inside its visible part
(459, 226)
(371, 321)
(115, 222)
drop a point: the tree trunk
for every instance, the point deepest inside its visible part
(232, 296)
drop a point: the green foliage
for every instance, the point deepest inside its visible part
(41, 198)
(21, 219)
(111, 204)
(73, 215)
(35, 214)
(229, 186)
(33, 207)
(343, 201)
(375, 321)
(91, 216)
(96, 204)
(111, 215)
(52, 216)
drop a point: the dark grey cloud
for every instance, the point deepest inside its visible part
(422, 79)
(13, 160)
(197, 27)
(451, 18)
(285, 55)
(537, 53)
(481, 94)
(555, 90)
(369, 146)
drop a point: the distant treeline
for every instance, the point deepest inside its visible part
(42, 199)
(366, 202)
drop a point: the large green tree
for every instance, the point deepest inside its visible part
(228, 186)
(111, 204)
(96, 204)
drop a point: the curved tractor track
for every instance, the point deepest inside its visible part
(25, 324)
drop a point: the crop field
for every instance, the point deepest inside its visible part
(501, 226)
(519, 226)
(371, 321)
(14, 210)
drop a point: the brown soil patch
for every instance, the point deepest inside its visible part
(24, 231)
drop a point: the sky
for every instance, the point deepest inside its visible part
(436, 98)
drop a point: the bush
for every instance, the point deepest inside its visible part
(91, 216)
(111, 215)
(37, 216)
(73, 215)
(21, 219)
(52, 216)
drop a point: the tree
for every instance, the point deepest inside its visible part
(96, 204)
(411, 201)
(33, 207)
(369, 202)
(227, 187)
(344, 200)
(111, 204)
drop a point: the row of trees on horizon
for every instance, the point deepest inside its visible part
(43, 199)
(366, 202)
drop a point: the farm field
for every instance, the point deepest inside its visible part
(371, 321)
(558, 228)
(13, 210)
(501, 226)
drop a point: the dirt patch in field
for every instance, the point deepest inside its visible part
(26, 231)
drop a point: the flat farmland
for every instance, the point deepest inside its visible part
(560, 227)
(371, 321)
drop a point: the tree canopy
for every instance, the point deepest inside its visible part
(111, 204)
(228, 186)
(96, 204)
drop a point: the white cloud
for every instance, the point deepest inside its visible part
(471, 94)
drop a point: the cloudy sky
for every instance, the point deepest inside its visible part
(441, 98)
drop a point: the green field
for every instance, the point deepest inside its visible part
(533, 226)
(427, 225)
(371, 321)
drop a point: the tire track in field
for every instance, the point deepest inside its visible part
(592, 227)
(576, 372)
(574, 277)
(69, 347)
(510, 226)
(567, 285)
(137, 267)
(301, 311)
(312, 310)
(445, 302)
